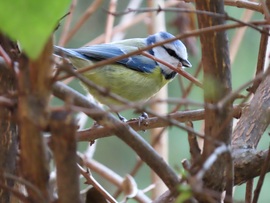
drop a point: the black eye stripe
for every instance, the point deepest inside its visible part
(173, 54)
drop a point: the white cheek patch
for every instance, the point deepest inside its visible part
(163, 55)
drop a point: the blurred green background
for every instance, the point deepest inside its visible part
(114, 153)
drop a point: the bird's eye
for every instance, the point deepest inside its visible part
(171, 52)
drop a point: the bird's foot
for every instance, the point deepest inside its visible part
(122, 118)
(142, 117)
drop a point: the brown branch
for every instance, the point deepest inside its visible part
(110, 21)
(153, 122)
(34, 93)
(91, 181)
(254, 6)
(254, 120)
(262, 50)
(239, 36)
(197, 11)
(229, 178)
(202, 31)
(67, 24)
(217, 74)
(179, 70)
(5, 56)
(124, 25)
(188, 89)
(194, 148)
(19, 195)
(63, 143)
(126, 134)
(91, 9)
(248, 164)
(112, 177)
(249, 189)
(9, 128)
(265, 166)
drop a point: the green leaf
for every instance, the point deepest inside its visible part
(31, 22)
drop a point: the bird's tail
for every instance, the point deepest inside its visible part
(59, 51)
(68, 53)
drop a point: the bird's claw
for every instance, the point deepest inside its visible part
(142, 117)
(122, 118)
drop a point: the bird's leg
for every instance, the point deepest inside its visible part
(122, 118)
(142, 117)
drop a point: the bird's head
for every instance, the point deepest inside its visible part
(173, 53)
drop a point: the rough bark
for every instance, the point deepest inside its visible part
(34, 91)
(63, 143)
(217, 84)
(8, 128)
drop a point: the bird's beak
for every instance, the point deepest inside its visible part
(186, 63)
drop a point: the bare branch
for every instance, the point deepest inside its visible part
(126, 134)
(34, 92)
(254, 119)
(63, 143)
(91, 181)
(261, 178)
(91, 9)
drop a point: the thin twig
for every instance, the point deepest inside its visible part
(110, 21)
(5, 56)
(127, 24)
(249, 189)
(261, 178)
(91, 180)
(19, 195)
(126, 134)
(194, 148)
(27, 184)
(200, 12)
(111, 176)
(188, 89)
(238, 36)
(67, 24)
(229, 178)
(178, 70)
(230, 97)
(201, 31)
(241, 4)
(91, 9)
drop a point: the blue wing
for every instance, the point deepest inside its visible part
(105, 51)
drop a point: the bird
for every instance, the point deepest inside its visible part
(136, 78)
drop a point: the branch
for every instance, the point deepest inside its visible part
(255, 118)
(63, 144)
(126, 134)
(254, 6)
(9, 128)
(112, 177)
(34, 93)
(91, 9)
(149, 123)
(91, 181)
(217, 83)
(199, 32)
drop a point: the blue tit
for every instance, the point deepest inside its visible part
(136, 78)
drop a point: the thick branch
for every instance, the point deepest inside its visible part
(63, 129)
(254, 120)
(8, 129)
(34, 92)
(217, 82)
(126, 134)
